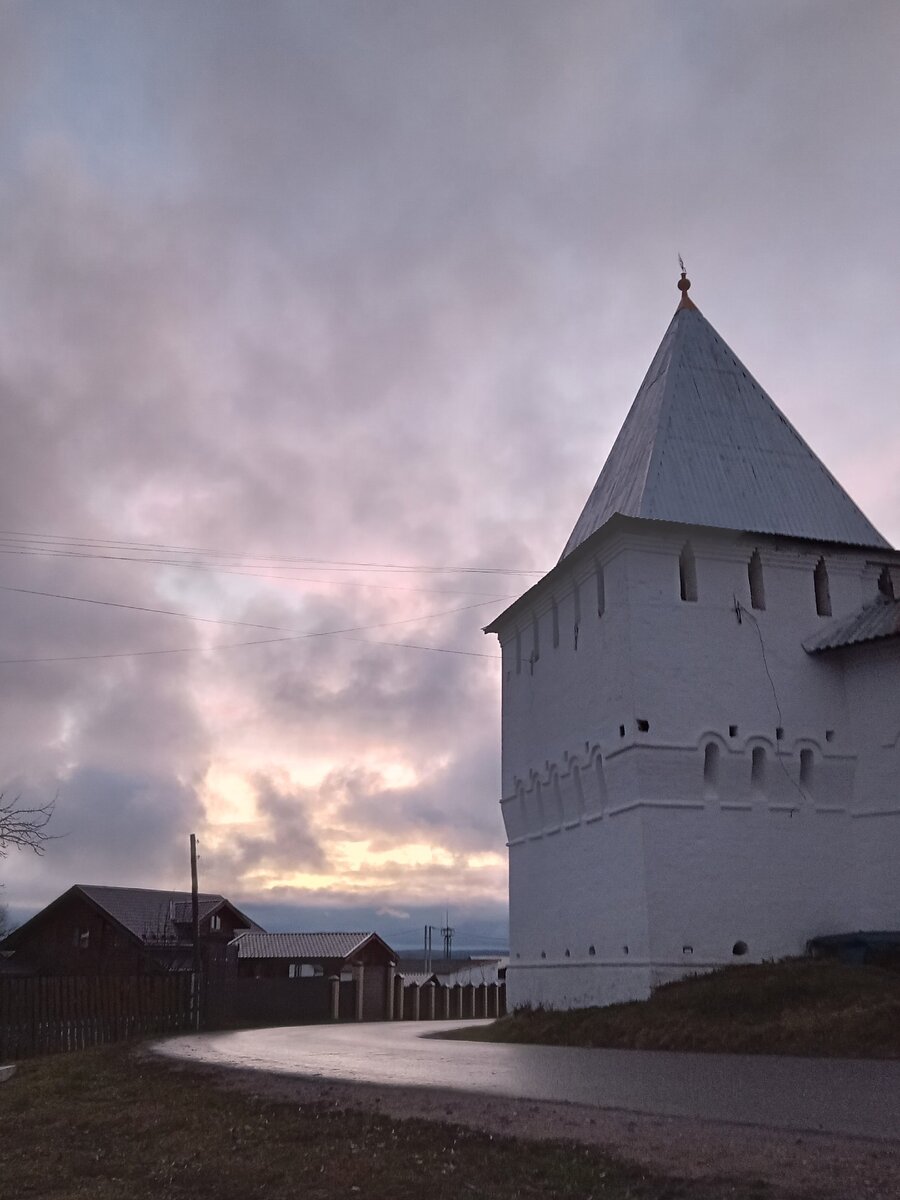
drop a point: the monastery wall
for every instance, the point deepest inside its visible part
(682, 788)
(872, 674)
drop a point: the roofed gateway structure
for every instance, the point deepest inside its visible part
(701, 701)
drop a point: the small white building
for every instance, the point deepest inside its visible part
(701, 702)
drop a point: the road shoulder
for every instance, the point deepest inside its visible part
(794, 1164)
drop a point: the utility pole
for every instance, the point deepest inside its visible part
(195, 937)
(447, 934)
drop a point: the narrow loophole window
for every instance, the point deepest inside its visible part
(535, 640)
(687, 573)
(555, 616)
(755, 576)
(886, 584)
(823, 592)
(518, 653)
(806, 769)
(601, 590)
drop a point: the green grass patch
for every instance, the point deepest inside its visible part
(104, 1124)
(798, 1006)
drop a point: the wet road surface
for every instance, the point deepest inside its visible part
(850, 1096)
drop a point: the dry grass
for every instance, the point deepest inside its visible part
(104, 1124)
(793, 1007)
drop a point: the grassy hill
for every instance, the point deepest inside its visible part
(797, 1006)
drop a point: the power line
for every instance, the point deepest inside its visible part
(168, 612)
(293, 634)
(63, 658)
(59, 543)
(264, 574)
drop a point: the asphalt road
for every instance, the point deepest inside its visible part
(849, 1096)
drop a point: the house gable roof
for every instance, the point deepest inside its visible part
(304, 946)
(149, 916)
(157, 917)
(703, 444)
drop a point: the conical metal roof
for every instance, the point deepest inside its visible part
(703, 444)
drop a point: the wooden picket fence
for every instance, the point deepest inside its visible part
(47, 1014)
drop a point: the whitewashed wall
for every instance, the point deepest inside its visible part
(616, 839)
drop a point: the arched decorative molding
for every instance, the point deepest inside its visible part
(561, 795)
(810, 743)
(520, 802)
(602, 790)
(759, 770)
(540, 811)
(593, 779)
(577, 789)
(555, 803)
(713, 749)
(515, 817)
(713, 735)
(808, 758)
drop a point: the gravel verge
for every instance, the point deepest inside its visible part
(808, 1165)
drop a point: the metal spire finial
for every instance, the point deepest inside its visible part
(684, 285)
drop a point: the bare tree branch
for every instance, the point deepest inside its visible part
(24, 828)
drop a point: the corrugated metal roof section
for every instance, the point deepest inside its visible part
(299, 945)
(153, 916)
(878, 620)
(419, 978)
(146, 912)
(181, 911)
(703, 444)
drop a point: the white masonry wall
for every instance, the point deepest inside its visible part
(631, 861)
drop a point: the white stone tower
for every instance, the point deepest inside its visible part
(701, 701)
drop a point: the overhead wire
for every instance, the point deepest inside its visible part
(59, 543)
(13, 542)
(213, 569)
(169, 612)
(293, 634)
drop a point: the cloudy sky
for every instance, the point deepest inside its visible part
(321, 317)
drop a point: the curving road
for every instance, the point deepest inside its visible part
(849, 1096)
